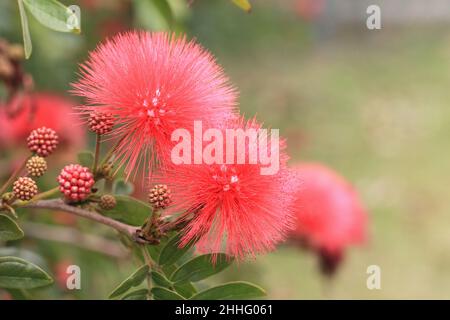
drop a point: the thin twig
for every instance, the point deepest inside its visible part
(149, 262)
(57, 204)
(13, 176)
(74, 237)
(98, 141)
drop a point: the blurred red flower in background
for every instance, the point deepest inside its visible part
(330, 215)
(42, 110)
(309, 9)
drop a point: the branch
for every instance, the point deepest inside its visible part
(57, 204)
(74, 237)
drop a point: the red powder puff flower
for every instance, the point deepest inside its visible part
(75, 182)
(330, 216)
(42, 110)
(153, 83)
(232, 207)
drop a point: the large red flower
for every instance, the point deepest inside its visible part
(232, 207)
(153, 83)
(330, 216)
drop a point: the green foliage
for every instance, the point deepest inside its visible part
(160, 293)
(201, 267)
(140, 294)
(231, 290)
(160, 280)
(50, 13)
(132, 281)
(16, 273)
(27, 45)
(129, 210)
(171, 252)
(9, 230)
(86, 158)
(153, 14)
(122, 187)
(54, 15)
(186, 289)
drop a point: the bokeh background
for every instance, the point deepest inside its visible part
(372, 104)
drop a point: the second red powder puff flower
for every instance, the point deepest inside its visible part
(233, 208)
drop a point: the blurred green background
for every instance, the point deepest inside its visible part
(371, 104)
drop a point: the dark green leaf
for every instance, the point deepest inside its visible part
(186, 289)
(160, 280)
(169, 269)
(154, 251)
(54, 15)
(132, 281)
(9, 230)
(122, 187)
(140, 294)
(129, 210)
(165, 294)
(243, 4)
(201, 267)
(19, 294)
(16, 273)
(27, 46)
(230, 291)
(86, 158)
(171, 252)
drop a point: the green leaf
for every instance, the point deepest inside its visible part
(19, 294)
(169, 269)
(201, 267)
(160, 280)
(186, 289)
(231, 290)
(153, 14)
(171, 252)
(27, 45)
(24, 254)
(243, 4)
(123, 187)
(140, 294)
(9, 230)
(129, 210)
(154, 251)
(86, 158)
(16, 273)
(132, 281)
(54, 15)
(165, 294)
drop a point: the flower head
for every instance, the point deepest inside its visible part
(232, 207)
(330, 216)
(42, 141)
(153, 83)
(75, 182)
(24, 188)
